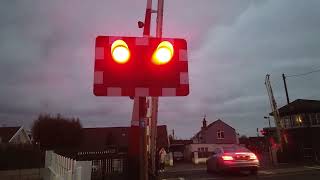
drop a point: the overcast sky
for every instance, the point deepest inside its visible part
(47, 56)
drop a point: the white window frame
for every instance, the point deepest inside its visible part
(318, 118)
(312, 119)
(219, 134)
(117, 165)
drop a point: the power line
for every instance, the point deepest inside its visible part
(303, 74)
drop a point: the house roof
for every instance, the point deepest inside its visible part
(101, 138)
(211, 124)
(180, 142)
(299, 106)
(219, 120)
(6, 133)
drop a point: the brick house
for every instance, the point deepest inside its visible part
(210, 137)
(218, 132)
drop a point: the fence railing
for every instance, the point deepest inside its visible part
(63, 168)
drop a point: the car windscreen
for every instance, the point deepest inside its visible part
(234, 149)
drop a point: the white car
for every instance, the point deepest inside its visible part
(232, 158)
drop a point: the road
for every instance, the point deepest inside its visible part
(297, 173)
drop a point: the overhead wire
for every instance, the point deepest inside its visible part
(304, 74)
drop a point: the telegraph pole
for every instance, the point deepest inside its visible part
(144, 92)
(140, 110)
(138, 161)
(285, 87)
(154, 100)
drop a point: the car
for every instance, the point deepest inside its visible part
(232, 158)
(178, 156)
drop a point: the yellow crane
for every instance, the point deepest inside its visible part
(274, 109)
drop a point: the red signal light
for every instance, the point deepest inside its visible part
(227, 158)
(120, 51)
(140, 66)
(253, 156)
(163, 54)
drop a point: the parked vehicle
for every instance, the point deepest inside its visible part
(178, 156)
(232, 158)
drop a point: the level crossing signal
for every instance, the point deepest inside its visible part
(140, 66)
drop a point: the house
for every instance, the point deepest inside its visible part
(14, 135)
(17, 154)
(300, 122)
(218, 132)
(210, 137)
(107, 149)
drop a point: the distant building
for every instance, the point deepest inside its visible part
(177, 147)
(218, 132)
(210, 137)
(14, 135)
(301, 123)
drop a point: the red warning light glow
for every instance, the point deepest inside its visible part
(120, 51)
(163, 54)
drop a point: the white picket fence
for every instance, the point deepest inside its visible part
(63, 168)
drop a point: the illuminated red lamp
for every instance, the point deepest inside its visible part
(263, 132)
(227, 158)
(253, 157)
(120, 51)
(163, 54)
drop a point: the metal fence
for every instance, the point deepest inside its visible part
(113, 168)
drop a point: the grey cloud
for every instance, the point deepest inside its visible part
(46, 52)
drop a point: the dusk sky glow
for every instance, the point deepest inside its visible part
(47, 58)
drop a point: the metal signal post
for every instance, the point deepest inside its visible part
(142, 68)
(152, 104)
(138, 123)
(154, 100)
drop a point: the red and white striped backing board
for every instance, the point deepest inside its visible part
(139, 77)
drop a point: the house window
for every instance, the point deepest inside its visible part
(220, 134)
(313, 118)
(297, 121)
(96, 165)
(117, 165)
(317, 119)
(287, 122)
(305, 120)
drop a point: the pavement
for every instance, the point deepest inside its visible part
(188, 171)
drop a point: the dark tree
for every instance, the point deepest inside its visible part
(57, 132)
(244, 140)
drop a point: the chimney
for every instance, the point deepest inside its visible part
(204, 123)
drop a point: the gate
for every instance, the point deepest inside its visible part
(114, 167)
